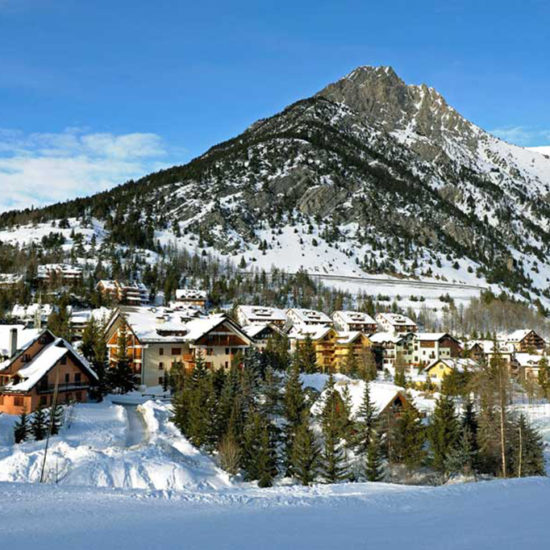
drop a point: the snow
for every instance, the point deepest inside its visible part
(100, 447)
(497, 515)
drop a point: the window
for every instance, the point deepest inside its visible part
(67, 376)
(227, 364)
(43, 400)
(161, 351)
(161, 380)
(226, 351)
(77, 377)
(161, 366)
(209, 351)
(18, 401)
(176, 351)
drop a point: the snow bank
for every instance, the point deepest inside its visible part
(97, 449)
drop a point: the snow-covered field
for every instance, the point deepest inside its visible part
(497, 515)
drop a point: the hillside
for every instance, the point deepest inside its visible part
(369, 176)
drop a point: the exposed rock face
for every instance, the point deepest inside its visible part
(386, 173)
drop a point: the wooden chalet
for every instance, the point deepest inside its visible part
(39, 365)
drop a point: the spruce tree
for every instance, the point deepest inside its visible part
(443, 432)
(543, 378)
(366, 420)
(526, 456)
(408, 437)
(39, 424)
(266, 459)
(57, 418)
(400, 378)
(374, 469)
(463, 458)
(307, 356)
(122, 377)
(21, 429)
(305, 453)
(294, 405)
(351, 365)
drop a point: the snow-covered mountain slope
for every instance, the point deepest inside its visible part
(370, 176)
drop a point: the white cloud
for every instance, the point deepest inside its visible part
(42, 168)
(522, 135)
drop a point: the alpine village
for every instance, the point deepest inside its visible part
(326, 298)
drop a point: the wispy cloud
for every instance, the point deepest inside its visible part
(41, 168)
(523, 135)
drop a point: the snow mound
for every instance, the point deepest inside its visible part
(105, 446)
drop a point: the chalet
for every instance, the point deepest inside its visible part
(525, 341)
(79, 319)
(390, 346)
(253, 315)
(158, 338)
(192, 297)
(429, 346)
(33, 314)
(395, 322)
(260, 334)
(308, 317)
(350, 321)
(529, 364)
(133, 294)
(39, 366)
(482, 351)
(10, 280)
(438, 369)
(59, 273)
(331, 346)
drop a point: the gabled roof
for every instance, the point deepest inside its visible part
(261, 313)
(190, 294)
(387, 337)
(43, 362)
(347, 337)
(487, 346)
(255, 330)
(529, 359)
(355, 317)
(455, 363)
(25, 337)
(395, 319)
(315, 332)
(432, 336)
(309, 316)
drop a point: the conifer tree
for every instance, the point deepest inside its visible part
(57, 417)
(266, 459)
(400, 378)
(351, 365)
(39, 424)
(366, 420)
(367, 367)
(527, 458)
(543, 378)
(21, 429)
(443, 431)
(307, 356)
(374, 469)
(294, 405)
(463, 457)
(305, 453)
(122, 377)
(408, 437)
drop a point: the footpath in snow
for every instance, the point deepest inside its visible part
(112, 445)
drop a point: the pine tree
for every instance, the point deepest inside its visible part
(374, 470)
(122, 377)
(366, 420)
(294, 405)
(463, 457)
(408, 437)
(39, 424)
(443, 431)
(527, 457)
(305, 453)
(266, 459)
(367, 367)
(21, 429)
(57, 418)
(351, 365)
(307, 356)
(543, 378)
(251, 444)
(400, 365)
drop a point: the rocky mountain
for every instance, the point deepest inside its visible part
(370, 175)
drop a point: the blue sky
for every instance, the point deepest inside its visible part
(95, 92)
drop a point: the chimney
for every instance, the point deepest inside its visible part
(13, 341)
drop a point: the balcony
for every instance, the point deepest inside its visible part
(49, 388)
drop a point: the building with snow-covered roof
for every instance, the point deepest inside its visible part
(439, 368)
(350, 321)
(59, 273)
(429, 346)
(79, 319)
(133, 294)
(158, 338)
(391, 346)
(529, 364)
(261, 333)
(297, 316)
(32, 314)
(9, 280)
(395, 322)
(254, 315)
(41, 367)
(192, 296)
(524, 341)
(483, 351)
